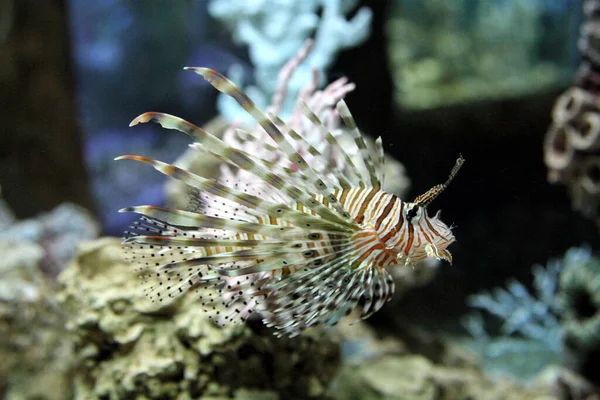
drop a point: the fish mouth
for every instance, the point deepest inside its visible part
(430, 250)
(439, 254)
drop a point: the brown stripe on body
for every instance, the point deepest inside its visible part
(343, 197)
(411, 232)
(391, 233)
(398, 226)
(436, 233)
(367, 247)
(348, 199)
(365, 204)
(365, 253)
(424, 232)
(418, 233)
(385, 212)
(391, 221)
(376, 205)
(354, 200)
(386, 258)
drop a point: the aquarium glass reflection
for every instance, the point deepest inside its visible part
(449, 52)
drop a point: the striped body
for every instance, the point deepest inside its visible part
(303, 243)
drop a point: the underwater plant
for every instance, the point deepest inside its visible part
(304, 249)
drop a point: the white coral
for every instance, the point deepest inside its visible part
(273, 30)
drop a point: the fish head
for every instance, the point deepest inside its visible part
(420, 236)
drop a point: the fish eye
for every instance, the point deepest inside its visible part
(413, 212)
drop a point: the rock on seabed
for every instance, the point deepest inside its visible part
(128, 348)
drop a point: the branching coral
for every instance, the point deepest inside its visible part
(275, 30)
(530, 335)
(562, 319)
(532, 316)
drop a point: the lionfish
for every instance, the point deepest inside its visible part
(304, 251)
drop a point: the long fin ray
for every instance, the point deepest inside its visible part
(308, 260)
(279, 210)
(224, 85)
(240, 159)
(313, 118)
(359, 141)
(345, 180)
(380, 163)
(182, 218)
(298, 255)
(201, 242)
